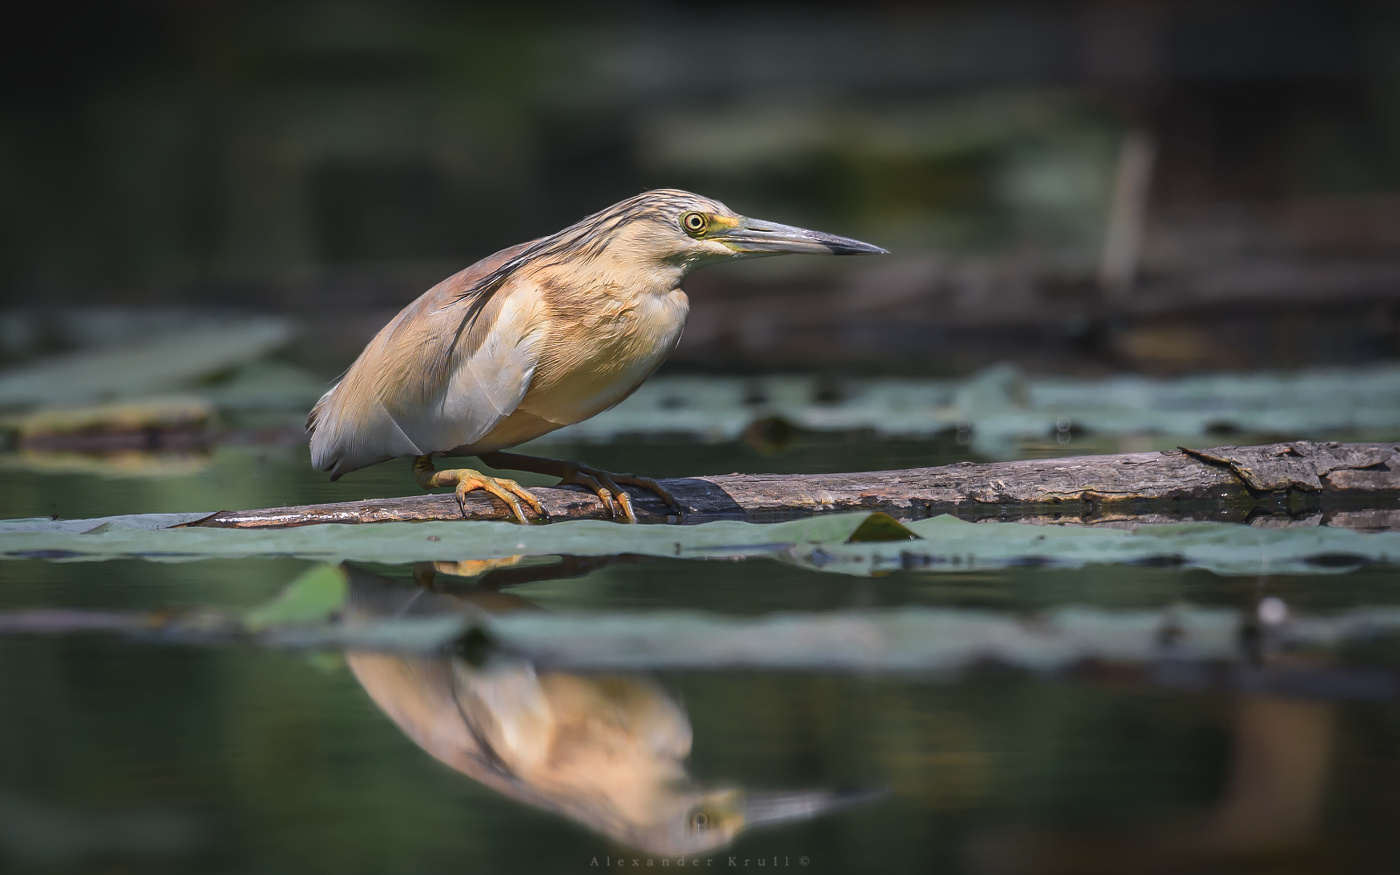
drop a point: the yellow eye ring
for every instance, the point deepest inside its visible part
(693, 223)
(699, 821)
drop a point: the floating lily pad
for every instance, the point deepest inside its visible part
(823, 542)
(155, 364)
(1000, 407)
(159, 413)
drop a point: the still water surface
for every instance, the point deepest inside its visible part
(118, 756)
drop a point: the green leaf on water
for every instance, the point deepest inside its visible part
(825, 543)
(311, 598)
(1001, 407)
(155, 364)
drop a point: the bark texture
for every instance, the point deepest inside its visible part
(1296, 482)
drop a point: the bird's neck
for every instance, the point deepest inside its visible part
(636, 275)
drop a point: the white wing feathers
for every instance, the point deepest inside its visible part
(404, 397)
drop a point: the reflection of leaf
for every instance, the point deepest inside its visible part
(310, 598)
(922, 639)
(1176, 646)
(397, 634)
(947, 544)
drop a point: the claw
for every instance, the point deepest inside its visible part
(626, 501)
(614, 498)
(652, 486)
(597, 482)
(506, 490)
(467, 480)
(616, 493)
(604, 495)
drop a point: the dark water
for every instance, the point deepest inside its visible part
(139, 757)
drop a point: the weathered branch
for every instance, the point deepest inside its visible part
(1288, 481)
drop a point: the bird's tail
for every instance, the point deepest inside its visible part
(314, 416)
(343, 440)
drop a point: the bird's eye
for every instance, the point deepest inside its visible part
(699, 821)
(693, 223)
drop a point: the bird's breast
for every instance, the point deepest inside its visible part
(597, 353)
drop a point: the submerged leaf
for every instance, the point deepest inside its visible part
(311, 598)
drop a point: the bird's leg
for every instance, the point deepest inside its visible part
(601, 483)
(466, 480)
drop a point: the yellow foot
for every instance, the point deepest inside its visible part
(467, 480)
(475, 567)
(605, 485)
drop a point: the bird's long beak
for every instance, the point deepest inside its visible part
(766, 809)
(757, 237)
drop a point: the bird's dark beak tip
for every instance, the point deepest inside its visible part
(758, 237)
(782, 807)
(862, 249)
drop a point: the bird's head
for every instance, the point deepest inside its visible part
(673, 227)
(691, 821)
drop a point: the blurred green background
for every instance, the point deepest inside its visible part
(1071, 185)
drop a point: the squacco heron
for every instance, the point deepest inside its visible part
(536, 337)
(605, 750)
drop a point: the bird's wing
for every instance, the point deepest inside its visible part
(440, 375)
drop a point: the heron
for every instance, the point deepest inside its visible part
(538, 336)
(605, 750)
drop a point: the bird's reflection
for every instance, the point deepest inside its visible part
(605, 750)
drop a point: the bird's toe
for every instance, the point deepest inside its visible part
(651, 486)
(614, 500)
(624, 502)
(508, 491)
(615, 497)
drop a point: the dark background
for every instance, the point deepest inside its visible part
(331, 161)
(326, 163)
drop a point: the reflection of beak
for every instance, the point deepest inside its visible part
(757, 237)
(763, 809)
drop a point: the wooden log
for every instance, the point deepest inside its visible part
(1299, 480)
